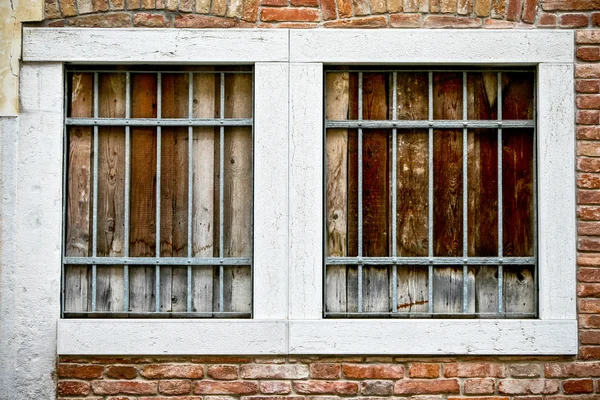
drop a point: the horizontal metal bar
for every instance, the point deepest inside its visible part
(122, 71)
(182, 261)
(332, 71)
(160, 122)
(427, 314)
(430, 261)
(160, 314)
(424, 124)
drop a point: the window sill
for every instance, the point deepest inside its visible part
(359, 336)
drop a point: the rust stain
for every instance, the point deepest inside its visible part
(416, 303)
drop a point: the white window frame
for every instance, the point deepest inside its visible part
(288, 194)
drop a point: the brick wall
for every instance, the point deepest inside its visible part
(322, 378)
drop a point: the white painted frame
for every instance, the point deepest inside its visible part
(288, 198)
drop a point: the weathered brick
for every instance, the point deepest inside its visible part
(121, 371)
(123, 387)
(373, 371)
(275, 387)
(587, 306)
(589, 336)
(225, 372)
(162, 371)
(587, 85)
(571, 397)
(570, 5)
(149, 20)
(529, 11)
(588, 290)
(163, 398)
(424, 370)
(588, 53)
(588, 101)
(325, 370)
(225, 387)
(588, 164)
(573, 369)
(546, 19)
(490, 398)
(587, 37)
(589, 352)
(80, 371)
(525, 370)
(574, 20)
(73, 388)
(447, 21)
(366, 22)
(474, 370)
(376, 388)
(588, 148)
(273, 371)
(490, 23)
(425, 386)
(596, 19)
(305, 3)
(482, 8)
(405, 20)
(576, 386)
(51, 9)
(273, 398)
(513, 12)
(588, 181)
(110, 20)
(326, 387)
(328, 9)
(528, 386)
(590, 274)
(289, 14)
(203, 21)
(588, 244)
(587, 117)
(479, 386)
(174, 387)
(275, 3)
(587, 71)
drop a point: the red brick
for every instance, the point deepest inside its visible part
(274, 371)
(121, 372)
(438, 386)
(110, 20)
(577, 386)
(422, 370)
(547, 19)
(573, 369)
(51, 9)
(529, 11)
(588, 181)
(326, 387)
(513, 13)
(588, 164)
(376, 388)
(325, 371)
(491, 23)
(490, 398)
(80, 371)
(588, 53)
(165, 398)
(587, 85)
(588, 148)
(275, 3)
(305, 3)
(589, 132)
(366, 22)
(373, 371)
(589, 352)
(596, 19)
(203, 21)
(588, 117)
(528, 386)
(587, 71)
(250, 13)
(162, 371)
(589, 336)
(574, 20)
(289, 14)
(99, 5)
(275, 387)
(328, 9)
(588, 290)
(57, 24)
(590, 274)
(587, 37)
(571, 5)
(525, 370)
(588, 306)
(588, 244)
(123, 387)
(447, 21)
(67, 8)
(149, 20)
(73, 388)
(474, 370)
(405, 20)
(225, 372)
(228, 387)
(272, 398)
(589, 101)
(174, 387)
(572, 397)
(479, 386)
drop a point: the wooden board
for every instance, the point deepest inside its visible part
(519, 289)
(337, 92)
(79, 194)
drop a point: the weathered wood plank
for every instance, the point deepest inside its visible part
(486, 289)
(79, 194)
(412, 289)
(237, 202)
(519, 289)
(352, 272)
(375, 188)
(111, 192)
(143, 193)
(447, 290)
(337, 86)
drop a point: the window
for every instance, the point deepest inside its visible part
(158, 192)
(413, 199)
(288, 199)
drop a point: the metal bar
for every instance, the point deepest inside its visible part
(127, 190)
(430, 194)
(332, 71)
(394, 191)
(465, 196)
(64, 195)
(500, 232)
(190, 188)
(421, 124)
(145, 261)
(166, 71)
(360, 188)
(428, 314)
(95, 196)
(221, 187)
(163, 122)
(441, 261)
(535, 215)
(154, 314)
(158, 185)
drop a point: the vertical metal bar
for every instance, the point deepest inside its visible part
(127, 189)
(500, 233)
(430, 182)
(95, 196)
(190, 252)
(535, 215)
(394, 191)
(465, 196)
(360, 187)
(158, 183)
(221, 187)
(64, 195)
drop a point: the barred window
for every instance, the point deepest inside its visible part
(158, 192)
(430, 193)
